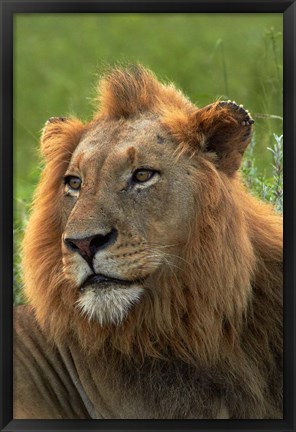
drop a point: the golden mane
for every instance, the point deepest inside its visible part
(131, 91)
(231, 263)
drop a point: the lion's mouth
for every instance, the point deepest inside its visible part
(102, 281)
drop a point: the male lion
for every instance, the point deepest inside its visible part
(154, 278)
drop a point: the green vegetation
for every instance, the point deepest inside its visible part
(267, 188)
(58, 58)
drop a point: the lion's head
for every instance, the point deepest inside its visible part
(138, 233)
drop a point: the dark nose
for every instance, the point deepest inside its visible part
(89, 246)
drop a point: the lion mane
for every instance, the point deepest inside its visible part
(215, 322)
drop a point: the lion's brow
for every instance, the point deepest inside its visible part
(79, 159)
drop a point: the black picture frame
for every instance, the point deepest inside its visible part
(11, 7)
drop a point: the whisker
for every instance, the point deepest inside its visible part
(163, 256)
(169, 255)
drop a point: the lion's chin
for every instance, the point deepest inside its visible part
(110, 303)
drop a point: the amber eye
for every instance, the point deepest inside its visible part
(73, 182)
(143, 175)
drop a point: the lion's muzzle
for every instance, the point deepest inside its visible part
(101, 281)
(87, 247)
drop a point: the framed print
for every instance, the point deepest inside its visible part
(147, 215)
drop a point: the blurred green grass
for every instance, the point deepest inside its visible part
(58, 57)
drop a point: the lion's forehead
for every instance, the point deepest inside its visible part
(111, 140)
(108, 134)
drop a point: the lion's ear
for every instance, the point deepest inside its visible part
(226, 129)
(60, 136)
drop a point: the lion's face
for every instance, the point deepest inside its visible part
(138, 229)
(127, 202)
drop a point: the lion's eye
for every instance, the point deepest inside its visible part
(73, 182)
(142, 175)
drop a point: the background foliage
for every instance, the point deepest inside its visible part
(58, 57)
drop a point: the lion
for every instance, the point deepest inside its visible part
(153, 276)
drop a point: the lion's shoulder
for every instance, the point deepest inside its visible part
(23, 318)
(41, 374)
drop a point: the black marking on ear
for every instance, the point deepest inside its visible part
(160, 139)
(55, 120)
(247, 119)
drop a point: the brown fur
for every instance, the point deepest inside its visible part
(219, 310)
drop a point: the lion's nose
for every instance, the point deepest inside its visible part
(89, 246)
